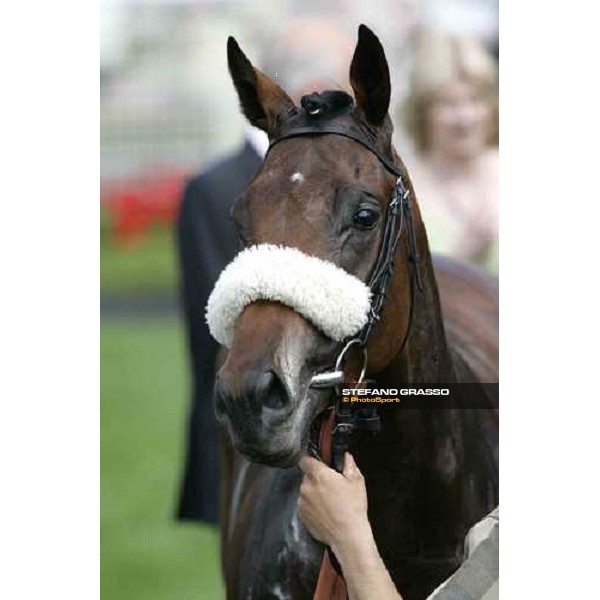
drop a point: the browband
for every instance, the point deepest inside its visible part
(332, 129)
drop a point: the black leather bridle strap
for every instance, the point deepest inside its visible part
(332, 129)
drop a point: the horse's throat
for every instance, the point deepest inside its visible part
(426, 358)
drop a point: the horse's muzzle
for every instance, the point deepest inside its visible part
(262, 396)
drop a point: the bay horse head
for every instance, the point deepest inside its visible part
(326, 197)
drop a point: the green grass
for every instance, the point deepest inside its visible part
(145, 554)
(145, 266)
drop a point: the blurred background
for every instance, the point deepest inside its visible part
(169, 111)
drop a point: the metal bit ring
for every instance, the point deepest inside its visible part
(338, 362)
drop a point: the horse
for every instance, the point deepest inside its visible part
(430, 473)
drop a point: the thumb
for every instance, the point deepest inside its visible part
(350, 467)
(310, 466)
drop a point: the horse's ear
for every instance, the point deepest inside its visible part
(370, 76)
(263, 102)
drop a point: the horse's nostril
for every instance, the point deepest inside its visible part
(270, 391)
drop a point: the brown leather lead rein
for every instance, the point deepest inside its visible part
(330, 584)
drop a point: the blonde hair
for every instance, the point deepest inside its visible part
(440, 59)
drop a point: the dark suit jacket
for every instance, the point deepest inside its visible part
(207, 242)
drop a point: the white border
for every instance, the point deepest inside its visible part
(49, 388)
(549, 300)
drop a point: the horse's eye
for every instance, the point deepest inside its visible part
(365, 218)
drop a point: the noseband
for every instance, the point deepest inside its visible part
(399, 215)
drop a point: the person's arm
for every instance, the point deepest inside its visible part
(333, 507)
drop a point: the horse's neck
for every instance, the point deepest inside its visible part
(428, 465)
(427, 357)
(429, 479)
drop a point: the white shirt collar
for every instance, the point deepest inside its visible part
(258, 139)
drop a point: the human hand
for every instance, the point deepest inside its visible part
(332, 505)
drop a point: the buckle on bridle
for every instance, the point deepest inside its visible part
(329, 379)
(400, 193)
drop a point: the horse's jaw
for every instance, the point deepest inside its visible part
(283, 443)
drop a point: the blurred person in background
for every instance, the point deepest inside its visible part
(451, 114)
(309, 55)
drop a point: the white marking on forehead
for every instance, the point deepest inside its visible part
(297, 177)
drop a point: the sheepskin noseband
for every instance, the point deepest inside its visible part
(334, 301)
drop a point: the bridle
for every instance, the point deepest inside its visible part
(399, 215)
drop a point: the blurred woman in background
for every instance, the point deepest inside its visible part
(452, 117)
